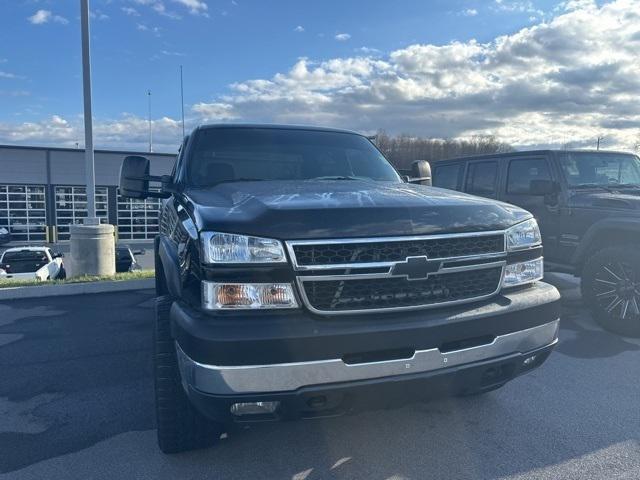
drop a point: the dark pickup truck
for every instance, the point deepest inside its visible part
(588, 206)
(299, 276)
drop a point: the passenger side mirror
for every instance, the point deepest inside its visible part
(135, 178)
(421, 172)
(141, 251)
(542, 188)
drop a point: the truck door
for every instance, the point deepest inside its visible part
(520, 172)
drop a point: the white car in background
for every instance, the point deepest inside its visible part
(31, 263)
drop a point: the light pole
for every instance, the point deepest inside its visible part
(149, 120)
(92, 244)
(182, 100)
(89, 169)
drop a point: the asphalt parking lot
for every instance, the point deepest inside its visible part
(76, 402)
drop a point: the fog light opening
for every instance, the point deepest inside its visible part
(254, 408)
(529, 360)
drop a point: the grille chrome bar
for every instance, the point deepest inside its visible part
(368, 276)
(291, 244)
(422, 302)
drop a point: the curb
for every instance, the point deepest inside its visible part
(17, 293)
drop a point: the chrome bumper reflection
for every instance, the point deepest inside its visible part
(291, 376)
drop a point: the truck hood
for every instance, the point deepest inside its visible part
(344, 208)
(623, 200)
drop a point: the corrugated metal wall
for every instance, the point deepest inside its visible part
(52, 169)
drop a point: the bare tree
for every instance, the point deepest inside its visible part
(403, 149)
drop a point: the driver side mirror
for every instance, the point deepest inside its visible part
(57, 255)
(420, 172)
(135, 178)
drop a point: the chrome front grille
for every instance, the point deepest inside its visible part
(384, 274)
(397, 250)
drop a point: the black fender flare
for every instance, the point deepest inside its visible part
(168, 253)
(602, 227)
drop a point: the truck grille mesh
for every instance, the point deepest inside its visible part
(394, 292)
(397, 251)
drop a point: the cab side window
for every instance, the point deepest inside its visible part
(481, 178)
(447, 176)
(523, 171)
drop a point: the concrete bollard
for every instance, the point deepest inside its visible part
(92, 250)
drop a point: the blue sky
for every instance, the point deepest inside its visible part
(226, 46)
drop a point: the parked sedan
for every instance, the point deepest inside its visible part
(5, 236)
(126, 258)
(31, 263)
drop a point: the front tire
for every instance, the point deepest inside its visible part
(611, 288)
(180, 426)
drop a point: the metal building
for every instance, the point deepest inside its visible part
(42, 192)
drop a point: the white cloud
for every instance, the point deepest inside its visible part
(159, 7)
(9, 75)
(195, 7)
(470, 12)
(170, 53)
(299, 29)
(132, 12)
(342, 37)
(44, 16)
(127, 132)
(368, 50)
(98, 15)
(566, 80)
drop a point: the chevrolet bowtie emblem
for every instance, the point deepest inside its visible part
(416, 268)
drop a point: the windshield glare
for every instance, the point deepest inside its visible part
(241, 154)
(592, 168)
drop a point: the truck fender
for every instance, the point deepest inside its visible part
(605, 227)
(168, 254)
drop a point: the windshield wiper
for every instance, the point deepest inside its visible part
(585, 186)
(609, 187)
(241, 179)
(626, 185)
(335, 177)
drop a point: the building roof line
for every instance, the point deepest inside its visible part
(69, 149)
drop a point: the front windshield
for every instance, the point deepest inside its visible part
(246, 154)
(600, 169)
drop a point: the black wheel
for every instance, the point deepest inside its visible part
(611, 288)
(180, 426)
(62, 274)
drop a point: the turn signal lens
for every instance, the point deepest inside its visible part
(523, 272)
(220, 296)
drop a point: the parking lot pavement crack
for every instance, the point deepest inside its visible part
(21, 417)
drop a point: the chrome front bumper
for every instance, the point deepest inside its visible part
(285, 377)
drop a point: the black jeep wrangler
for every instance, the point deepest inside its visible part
(587, 204)
(299, 276)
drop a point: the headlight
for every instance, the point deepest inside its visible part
(523, 235)
(231, 248)
(250, 296)
(523, 272)
(3, 231)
